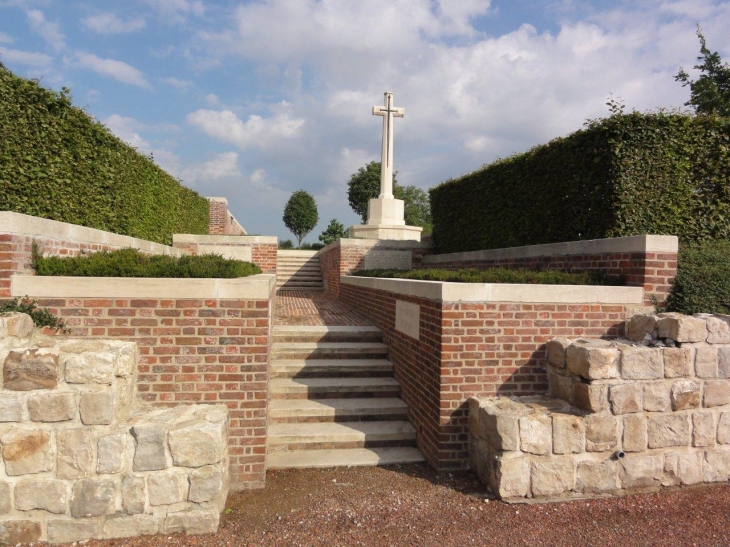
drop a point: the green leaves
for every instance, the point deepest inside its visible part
(499, 275)
(334, 231)
(300, 214)
(702, 284)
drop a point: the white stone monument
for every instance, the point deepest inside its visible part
(385, 213)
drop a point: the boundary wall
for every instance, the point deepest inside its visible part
(261, 250)
(220, 219)
(452, 341)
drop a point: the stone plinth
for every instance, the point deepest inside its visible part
(386, 211)
(386, 232)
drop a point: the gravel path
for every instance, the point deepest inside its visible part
(412, 505)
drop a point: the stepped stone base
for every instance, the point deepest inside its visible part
(386, 231)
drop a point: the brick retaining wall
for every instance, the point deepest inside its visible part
(261, 250)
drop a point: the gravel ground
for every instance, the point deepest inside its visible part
(412, 505)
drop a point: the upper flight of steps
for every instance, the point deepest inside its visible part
(298, 271)
(334, 401)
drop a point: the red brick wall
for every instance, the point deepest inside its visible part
(220, 220)
(472, 349)
(193, 351)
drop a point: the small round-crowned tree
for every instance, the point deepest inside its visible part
(300, 215)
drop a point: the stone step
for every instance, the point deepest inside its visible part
(327, 435)
(299, 275)
(331, 368)
(328, 388)
(308, 289)
(310, 459)
(326, 334)
(329, 350)
(336, 410)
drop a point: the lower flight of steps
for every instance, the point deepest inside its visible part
(334, 401)
(298, 271)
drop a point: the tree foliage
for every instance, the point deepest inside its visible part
(710, 92)
(300, 215)
(334, 231)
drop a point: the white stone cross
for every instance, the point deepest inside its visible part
(388, 111)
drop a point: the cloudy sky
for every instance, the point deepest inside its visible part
(252, 100)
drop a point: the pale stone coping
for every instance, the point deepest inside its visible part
(368, 243)
(27, 225)
(501, 292)
(631, 244)
(218, 200)
(222, 239)
(295, 252)
(255, 287)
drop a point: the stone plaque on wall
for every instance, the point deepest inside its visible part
(238, 252)
(408, 318)
(400, 260)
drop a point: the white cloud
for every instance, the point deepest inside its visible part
(212, 99)
(28, 58)
(127, 129)
(49, 31)
(5, 39)
(117, 70)
(180, 85)
(176, 11)
(109, 23)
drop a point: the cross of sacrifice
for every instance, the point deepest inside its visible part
(388, 111)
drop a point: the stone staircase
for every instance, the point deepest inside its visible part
(334, 401)
(298, 271)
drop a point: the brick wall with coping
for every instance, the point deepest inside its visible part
(200, 341)
(220, 219)
(261, 250)
(474, 344)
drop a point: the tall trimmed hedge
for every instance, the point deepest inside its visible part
(57, 162)
(625, 175)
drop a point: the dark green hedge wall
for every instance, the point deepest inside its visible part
(57, 162)
(629, 174)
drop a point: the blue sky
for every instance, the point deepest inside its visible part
(254, 100)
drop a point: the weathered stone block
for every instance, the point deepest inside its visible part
(625, 398)
(97, 407)
(510, 476)
(718, 329)
(717, 393)
(723, 361)
(641, 363)
(678, 362)
(681, 328)
(703, 429)
(168, 487)
(192, 522)
(638, 326)
(124, 526)
(52, 407)
(16, 532)
(498, 426)
(668, 430)
(597, 477)
(5, 504)
(27, 451)
(111, 453)
(723, 428)
(590, 397)
(635, 436)
(133, 493)
(536, 434)
(705, 360)
(551, 478)
(89, 368)
(592, 359)
(149, 451)
(66, 531)
(682, 468)
(75, 454)
(201, 441)
(29, 370)
(555, 351)
(640, 471)
(657, 396)
(92, 498)
(17, 325)
(205, 483)
(49, 495)
(601, 433)
(716, 467)
(11, 406)
(569, 433)
(686, 394)
(560, 386)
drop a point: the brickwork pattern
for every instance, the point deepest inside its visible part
(220, 220)
(314, 309)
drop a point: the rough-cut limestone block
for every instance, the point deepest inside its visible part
(723, 361)
(597, 477)
(716, 467)
(678, 362)
(27, 451)
(202, 440)
(149, 451)
(15, 532)
(641, 363)
(192, 522)
(703, 429)
(718, 327)
(97, 407)
(124, 355)
(625, 398)
(125, 526)
(11, 406)
(635, 436)
(668, 430)
(52, 407)
(638, 326)
(551, 478)
(601, 433)
(657, 396)
(5, 504)
(705, 360)
(49, 495)
(592, 359)
(686, 394)
(16, 324)
(167, 487)
(682, 468)
(479, 457)
(723, 428)
(510, 476)
(205, 483)
(590, 397)
(560, 386)
(498, 423)
(536, 434)
(92, 498)
(89, 368)
(66, 531)
(555, 350)
(681, 328)
(717, 393)
(133, 492)
(111, 453)
(75, 454)
(29, 370)
(637, 471)
(569, 434)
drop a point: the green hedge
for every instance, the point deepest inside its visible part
(702, 284)
(625, 175)
(57, 162)
(498, 275)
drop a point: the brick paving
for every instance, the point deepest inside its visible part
(314, 308)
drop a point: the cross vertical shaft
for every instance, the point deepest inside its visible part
(388, 112)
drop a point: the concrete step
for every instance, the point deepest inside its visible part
(329, 350)
(308, 459)
(336, 410)
(330, 388)
(326, 334)
(331, 368)
(327, 435)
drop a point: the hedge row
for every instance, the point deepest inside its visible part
(498, 275)
(625, 175)
(57, 162)
(702, 283)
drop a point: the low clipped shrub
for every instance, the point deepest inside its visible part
(132, 263)
(42, 317)
(702, 284)
(499, 275)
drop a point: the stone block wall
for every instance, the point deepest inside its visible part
(81, 458)
(626, 415)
